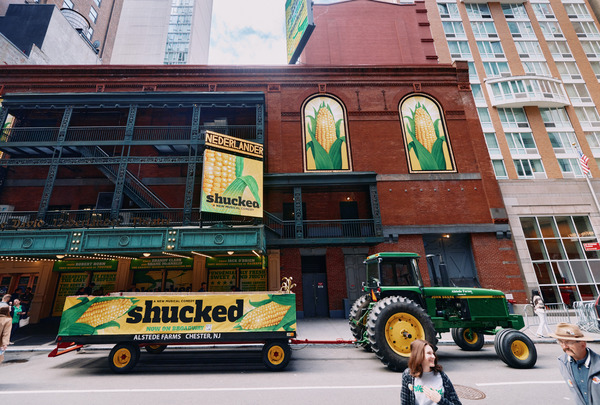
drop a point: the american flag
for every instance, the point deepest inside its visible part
(583, 162)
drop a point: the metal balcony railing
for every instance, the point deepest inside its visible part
(117, 133)
(66, 219)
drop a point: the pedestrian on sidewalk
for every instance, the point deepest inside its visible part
(16, 317)
(579, 366)
(424, 382)
(5, 324)
(540, 310)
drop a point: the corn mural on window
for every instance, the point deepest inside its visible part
(425, 135)
(325, 135)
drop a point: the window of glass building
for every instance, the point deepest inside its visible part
(542, 10)
(588, 116)
(521, 143)
(521, 29)
(514, 11)
(529, 168)
(570, 167)
(178, 37)
(454, 29)
(562, 142)
(67, 4)
(568, 71)
(89, 33)
(499, 169)
(593, 140)
(477, 11)
(550, 29)
(578, 93)
(591, 48)
(484, 117)
(93, 15)
(98, 2)
(448, 10)
(577, 10)
(585, 29)
(496, 69)
(513, 118)
(564, 270)
(555, 118)
(477, 94)
(484, 29)
(492, 143)
(559, 49)
(490, 49)
(596, 68)
(473, 77)
(529, 49)
(536, 68)
(459, 49)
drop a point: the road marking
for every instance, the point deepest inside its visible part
(520, 383)
(102, 391)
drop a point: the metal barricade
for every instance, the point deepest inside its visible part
(587, 317)
(555, 313)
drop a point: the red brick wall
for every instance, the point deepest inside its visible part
(344, 36)
(497, 265)
(336, 278)
(291, 266)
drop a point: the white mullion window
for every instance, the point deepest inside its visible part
(536, 68)
(585, 29)
(521, 143)
(529, 168)
(513, 118)
(521, 29)
(484, 29)
(578, 93)
(551, 29)
(556, 118)
(499, 169)
(559, 49)
(529, 50)
(490, 49)
(591, 48)
(588, 117)
(478, 11)
(459, 49)
(454, 29)
(448, 10)
(542, 10)
(496, 69)
(514, 11)
(593, 140)
(577, 11)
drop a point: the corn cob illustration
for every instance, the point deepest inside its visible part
(220, 172)
(325, 131)
(424, 130)
(102, 312)
(264, 316)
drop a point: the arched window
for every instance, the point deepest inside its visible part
(425, 135)
(325, 135)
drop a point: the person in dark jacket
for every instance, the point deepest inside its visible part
(424, 382)
(579, 366)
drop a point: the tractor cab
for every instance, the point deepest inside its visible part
(389, 270)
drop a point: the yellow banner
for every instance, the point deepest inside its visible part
(172, 317)
(232, 184)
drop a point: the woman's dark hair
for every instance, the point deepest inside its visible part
(417, 355)
(534, 292)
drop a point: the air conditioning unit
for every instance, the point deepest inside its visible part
(516, 35)
(582, 35)
(522, 125)
(576, 77)
(568, 175)
(559, 151)
(450, 35)
(486, 16)
(549, 124)
(523, 55)
(567, 55)
(493, 35)
(558, 35)
(549, 15)
(531, 151)
(505, 74)
(445, 15)
(575, 16)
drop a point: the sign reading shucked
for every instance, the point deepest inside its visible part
(178, 317)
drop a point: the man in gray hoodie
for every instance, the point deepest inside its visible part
(579, 366)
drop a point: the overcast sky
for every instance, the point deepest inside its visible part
(249, 32)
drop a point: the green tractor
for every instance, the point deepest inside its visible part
(397, 309)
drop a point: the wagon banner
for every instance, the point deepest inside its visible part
(172, 317)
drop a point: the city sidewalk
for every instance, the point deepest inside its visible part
(41, 336)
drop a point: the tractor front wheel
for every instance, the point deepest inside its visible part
(394, 323)
(358, 320)
(467, 339)
(518, 351)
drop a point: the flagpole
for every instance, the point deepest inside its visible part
(589, 183)
(587, 175)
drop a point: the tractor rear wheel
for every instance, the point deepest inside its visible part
(518, 350)
(467, 339)
(394, 323)
(358, 322)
